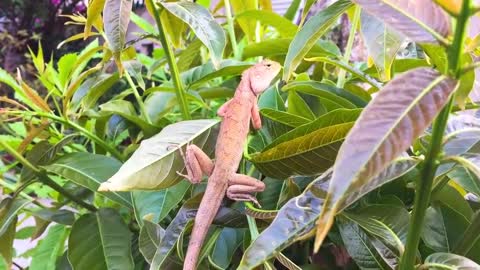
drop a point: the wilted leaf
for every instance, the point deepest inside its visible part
(203, 25)
(418, 20)
(309, 149)
(374, 142)
(308, 35)
(298, 216)
(154, 164)
(100, 240)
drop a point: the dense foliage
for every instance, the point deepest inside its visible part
(356, 174)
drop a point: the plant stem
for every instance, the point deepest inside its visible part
(456, 50)
(175, 73)
(231, 29)
(470, 236)
(348, 48)
(49, 182)
(84, 131)
(137, 97)
(424, 188)
(44, 177)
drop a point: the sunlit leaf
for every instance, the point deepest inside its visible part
(94, 11)
(154, 164)
(410, 18)
(284, 27)
(279, 47)
(309, 149)
(203, 24)
(308, 35)
(382, 43)
(100, 240)
(407, 105)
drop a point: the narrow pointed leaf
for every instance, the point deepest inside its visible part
(467, 172)
(156, 161)
(6, 244)
(8, 212)
(203, 25)
(285, 118)
(94, 11)
(116, 16)
(308, 35)
(407, 105)
(298, 216)
(422, 20)
(309, 149)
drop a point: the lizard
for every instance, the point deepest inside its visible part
(223, 178)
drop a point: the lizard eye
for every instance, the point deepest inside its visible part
(268, 65)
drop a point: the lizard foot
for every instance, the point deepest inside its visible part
(244, 198)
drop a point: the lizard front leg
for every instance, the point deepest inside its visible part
(242, 186)
(197, 164)
(256, 120)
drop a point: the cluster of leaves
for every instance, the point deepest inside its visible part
(334, 160)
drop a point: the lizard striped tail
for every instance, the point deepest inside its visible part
(211, 201)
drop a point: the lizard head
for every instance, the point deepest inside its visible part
(261, 75)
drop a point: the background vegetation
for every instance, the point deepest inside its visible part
(356, 175)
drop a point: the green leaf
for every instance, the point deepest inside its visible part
(116, 16)
(382, 44)
(279, 47)
(6, 243)
(298, 216)
(337, 96)
(61, 216)
(98, 88)
(142, 23)
(94, 11)
(308, 35)
(157, 204)
(203, 25)
(49, 249)
(284, 27)
(134, 69)
(227, 243)
(309, 149)
(89, 170)
(298, 106)
(126, 110)
(448, 261)
(154, 164)
(285, 118)
(8, 212)
(368, 252)
(65, 68)
(206, 72)
(100, 240)
(247, 26)
(411, 20)
(407, 104)
(467, 174)
(10, 81)
(292, 10)
(174, 27)
(466, 83)
(151, 235)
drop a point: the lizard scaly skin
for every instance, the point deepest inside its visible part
(223, 179)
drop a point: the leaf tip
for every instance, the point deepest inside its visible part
(324, 224)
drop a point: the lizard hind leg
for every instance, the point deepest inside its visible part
(241, 188)
(197, 164)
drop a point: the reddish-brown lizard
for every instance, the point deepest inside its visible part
(223, 178)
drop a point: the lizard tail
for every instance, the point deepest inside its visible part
(211, 201)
